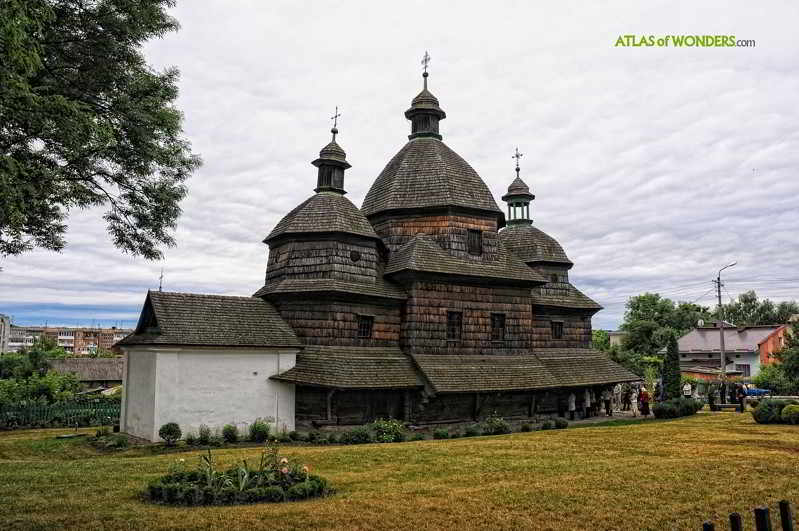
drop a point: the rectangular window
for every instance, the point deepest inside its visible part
(557, 329)
(744, 368)
(454, 326)
(365, 325)
(497, 327)
(474, 242)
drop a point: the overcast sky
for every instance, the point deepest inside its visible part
(652, 166)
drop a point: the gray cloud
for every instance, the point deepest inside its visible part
(653, 167)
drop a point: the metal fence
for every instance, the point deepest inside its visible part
(762, 519)
(83, 412)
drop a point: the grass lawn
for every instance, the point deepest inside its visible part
(652, 475)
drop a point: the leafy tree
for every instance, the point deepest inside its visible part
(671, 368)
(748, 310)
(789, 354)
(773, 377)
(86, 122)
(600, 339)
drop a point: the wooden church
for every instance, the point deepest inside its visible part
(428, 304)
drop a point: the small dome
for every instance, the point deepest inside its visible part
(425, 101)
(518, 188)
(533, 245)
(324, 212)
(333, 151)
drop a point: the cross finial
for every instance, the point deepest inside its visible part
(161, 280)
(517, 156)
(335, 123)
(425, 62)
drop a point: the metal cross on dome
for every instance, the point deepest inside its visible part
(517, 156)
(335, 123)
(426, 60)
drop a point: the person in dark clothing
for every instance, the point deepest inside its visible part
(740, 395)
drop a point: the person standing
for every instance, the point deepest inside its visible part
(626, 397)
(572, 405)
(587, 404)
(644, 402)
(740, 394)
(634, 401)
(606, 398)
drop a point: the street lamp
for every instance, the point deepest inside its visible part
(723, 360)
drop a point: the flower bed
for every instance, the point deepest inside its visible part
(275, 479)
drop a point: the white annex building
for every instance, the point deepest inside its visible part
(206, 359)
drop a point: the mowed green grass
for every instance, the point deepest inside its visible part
(654, 475)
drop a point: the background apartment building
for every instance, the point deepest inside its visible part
(77, 341)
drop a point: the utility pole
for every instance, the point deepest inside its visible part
(723, 359)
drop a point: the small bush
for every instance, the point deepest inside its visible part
(216, 440)
(547, 425)
(102, 431)
(314, 437)
(561, 423)
(471, 431)
(170, 432)
(790, 414)
(332, 438)
(117, 442)
(526, 427)
(284, 437)
(494, 425)
(359, 435)
(191, 439)
(259, 431)
(677, 407)
(440, 433)
(230, 433)
(295, 435)
(417, 437)
(204, 435)
(387, 431)
(769, 411)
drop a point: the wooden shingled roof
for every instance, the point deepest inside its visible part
(570, 297)
(579, 366)
(459, 374)
(352, 368)
(210, 320)
(531, 244)
(422, 253)
(324, 212)
(427, 173)
(90, 369)
(380, 288)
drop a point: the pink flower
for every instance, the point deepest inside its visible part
(285, 470)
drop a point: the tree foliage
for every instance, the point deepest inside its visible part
(85, 122)
(600, 340)
(671, 368)
(748, 310)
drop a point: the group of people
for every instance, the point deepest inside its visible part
(627, 397)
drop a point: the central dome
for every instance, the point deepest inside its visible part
(427, 173)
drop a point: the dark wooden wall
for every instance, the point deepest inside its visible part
(448, 229)
(323, 258)
(576, 328)
(424, 329)
(326, 322)
(547, 270)
(348, 406)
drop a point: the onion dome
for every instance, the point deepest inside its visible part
(533, 245)
(426, 172)
(332, 162)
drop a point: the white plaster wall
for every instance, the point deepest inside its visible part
(138, 399)
(750, 358)
(218, 387)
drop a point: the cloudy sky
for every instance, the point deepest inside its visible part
(652, 166)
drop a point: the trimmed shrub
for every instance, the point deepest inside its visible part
(314, 437)
(561, 423)
(676, 407)
(417, 437)
(389, 430)
(203, 435)
(359, 435)
(494, 425)
(769, 411)
(259, 431)
(295, 435)
(790, 414)
(170, 432)
(455, 435)
(440, 433)
(547, 425)
(472, 431)
(332, 438)
(230, 433)
(526, 427)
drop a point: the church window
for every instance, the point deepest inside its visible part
(454, 326)
(497, 327)
(325, 177)
(365, 325)
(474, 242)
(557, 329)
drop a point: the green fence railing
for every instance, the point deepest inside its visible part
(84, 412)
